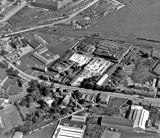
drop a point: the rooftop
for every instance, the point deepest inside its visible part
(117, 121)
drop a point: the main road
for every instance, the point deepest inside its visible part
(67, 18)
(153, 101)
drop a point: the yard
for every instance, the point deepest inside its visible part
(116, 102)
(140, 71)
(94, 131)
(112, 109)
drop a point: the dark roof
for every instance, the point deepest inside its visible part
(33, 43)
(46, 4)
(116, 121)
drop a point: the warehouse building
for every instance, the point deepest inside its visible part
(102, 80)
(18, 135)
(50, 4)
(67, 131)
(80, 59)
(139, 115)
(78, 118)
(45, 56)
(115, 121)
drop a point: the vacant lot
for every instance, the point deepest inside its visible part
(116, 102)
(141, 73)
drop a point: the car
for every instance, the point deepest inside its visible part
(113, 129)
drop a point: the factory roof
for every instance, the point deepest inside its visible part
(69, 132)
(117, 121)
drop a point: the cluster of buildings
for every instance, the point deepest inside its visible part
(72, 127)
(114, 50)
(67, 131)
(50, 4)
(137, 119)
(82, 23)
(16, 47)
(11, 8)
(96, 67)
(85, 60)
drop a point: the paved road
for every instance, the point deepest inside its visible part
(3, 81)
(155, 102)
(56, 22)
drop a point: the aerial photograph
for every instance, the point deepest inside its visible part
(79, 68)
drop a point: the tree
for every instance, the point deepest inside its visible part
(20, 82)
(33, 84)
(12, 72)
(35, 119)
(3, 64)
(88, 83)
(29, 98)
(82, 101)
(3, 52)
(23, 102)
(41, 85)
(52, 111)
(41, 102)
(63, 111)
(39, 113)
(36, 95)
(77, 94)
(54, 104)
(46, 91)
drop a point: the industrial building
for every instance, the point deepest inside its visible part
(104, 98)
(115, 121)
(66, 100)
(50, 4)
(97, 66)
(66, 131)
(114, 50)
(137, 119)
(102, 80)
(139, 115)
(79, 118)
(18, 135)
(80, 59)
(45, 56)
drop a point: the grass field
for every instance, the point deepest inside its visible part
(46, 132)
(29, 61)
(2, 74)
(10, 117)
(54, 44)
(116, 102)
